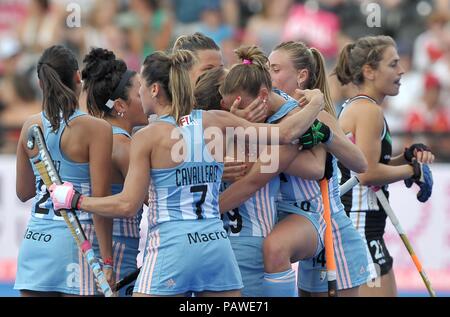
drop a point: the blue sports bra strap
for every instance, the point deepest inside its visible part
(119, 130)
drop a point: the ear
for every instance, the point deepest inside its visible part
(264, 93)
(77, 77)
(302, 77)
(368, 72)
(154, 90)
(120, 106)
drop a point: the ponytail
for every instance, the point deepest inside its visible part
(342, 69)
(180, 85)
(56, 70)
(366, 50)
(171, 72)
(321, 81)
(250, 74)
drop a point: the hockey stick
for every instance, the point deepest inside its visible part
(329, 247)
(352, 182)
(126, 280)
(388, 209)
(50, 175)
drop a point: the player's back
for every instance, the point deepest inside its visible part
(68, 169)
(185, 179)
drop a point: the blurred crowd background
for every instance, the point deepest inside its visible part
(135, 28)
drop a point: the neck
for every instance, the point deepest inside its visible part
(275, 102)
(163, 109)
(372, 93)
(82, 101)
(121, 123)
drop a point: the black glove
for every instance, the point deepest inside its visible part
(408, 154)
(319, 132)
(423, 178)
(328, 167)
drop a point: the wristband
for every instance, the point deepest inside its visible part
(80, 199)
(108, 262)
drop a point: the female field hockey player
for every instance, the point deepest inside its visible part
(80, 145)
(112, 93)
(292, 66)
(372, 64)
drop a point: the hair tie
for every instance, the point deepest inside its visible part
(247, 62)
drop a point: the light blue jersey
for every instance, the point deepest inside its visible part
(49, 259)
(349, 248)
(293, 189)
(76, 173)
(190, 190)
(250, 223)
(125, 227)
(257, 216)
(187, 249)
(299, 196)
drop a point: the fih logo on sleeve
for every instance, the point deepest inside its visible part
(186, 121)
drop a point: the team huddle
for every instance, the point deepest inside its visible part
(220, 223)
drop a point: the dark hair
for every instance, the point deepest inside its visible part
(43, 4)
(250, 74)
(195, 42)
(102, 75)
(206, 92)
(56, 71)
(303, 57)
(172, 73)
(366, 50)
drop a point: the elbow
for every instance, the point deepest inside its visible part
(23, 198)
(362, 167)
(126, 209)
(24, 195)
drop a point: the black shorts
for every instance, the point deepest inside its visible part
(370, 224)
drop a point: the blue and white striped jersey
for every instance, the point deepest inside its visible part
(190, 190)
(125, 227)
(76, 173)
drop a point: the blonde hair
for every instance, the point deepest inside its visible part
(250, 74)
(172, 73)
(311, 59)
(207, 94)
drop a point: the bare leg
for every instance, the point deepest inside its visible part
(294, 238)
(381, 287)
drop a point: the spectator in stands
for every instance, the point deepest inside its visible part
(428, 46)
(40, 28)
(429, 115)
(265, 29)
(153, 28)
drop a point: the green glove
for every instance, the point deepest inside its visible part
(318, 133)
